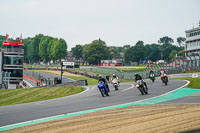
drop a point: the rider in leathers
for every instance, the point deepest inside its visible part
(115, 77)
(138, 77)
(105, 82)
(162, 72)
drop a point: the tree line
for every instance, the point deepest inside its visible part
(98, 50)
(42, 48)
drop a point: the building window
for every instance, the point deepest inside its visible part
(10, 60)
(15, 72)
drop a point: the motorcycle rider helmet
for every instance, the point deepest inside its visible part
(136, 74)
(114, 75)
(100, 76)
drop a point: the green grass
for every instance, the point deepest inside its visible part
(38, 66)
(124, 80)
(194, 82)
(26, 95)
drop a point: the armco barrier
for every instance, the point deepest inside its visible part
(27, 77)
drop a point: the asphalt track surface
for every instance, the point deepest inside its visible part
(89, 99)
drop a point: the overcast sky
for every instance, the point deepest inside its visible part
(117, 22)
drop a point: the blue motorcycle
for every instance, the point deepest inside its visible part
(103, 89)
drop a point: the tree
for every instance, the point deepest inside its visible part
(128, 55)
(59, 49)
(165, 40)
(180, 40)
(148, 52)
(85, 53)
(2, 39)
(77, 52)
(27, 42)
(155, 53)
(165, 48)
(114, 51)
(126, 47)
(140, 43)
(94, 52)
(33, 53)
(43, 46)
(172, 54)
(135, 53)
(50, 49)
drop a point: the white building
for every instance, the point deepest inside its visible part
(192, 45)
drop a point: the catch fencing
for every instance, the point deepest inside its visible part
(130, 75)
(103, 70)
(178, 65)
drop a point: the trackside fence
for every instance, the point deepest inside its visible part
(178, 65)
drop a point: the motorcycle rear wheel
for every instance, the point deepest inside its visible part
(145, 90)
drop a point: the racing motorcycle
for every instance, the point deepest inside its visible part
(164, 78)
(152, 77)
(103, 89)
(115, 84)
(141, 87)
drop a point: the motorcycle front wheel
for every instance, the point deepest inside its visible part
(141, 89)
(116, 88)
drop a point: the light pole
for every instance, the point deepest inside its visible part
(61, 71)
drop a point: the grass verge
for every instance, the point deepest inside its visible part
(26, 95)
(194, 82)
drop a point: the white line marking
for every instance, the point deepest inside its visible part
(28, 83)
(132, 85)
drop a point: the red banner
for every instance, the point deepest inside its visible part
(13, 44)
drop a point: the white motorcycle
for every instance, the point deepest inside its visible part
(115, 83)
(141, 87)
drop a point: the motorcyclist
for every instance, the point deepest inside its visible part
(101, 84)
(138, 77)
(162, 72)
(115, 77)
(151, 73)
(105, 81)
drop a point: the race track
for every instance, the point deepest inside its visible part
(89, 99)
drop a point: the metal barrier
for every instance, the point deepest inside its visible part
(50, 81)
(5, 80)
(178, 65)
(47, 81)
(103, 70)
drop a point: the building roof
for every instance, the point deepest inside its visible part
(192, 30)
